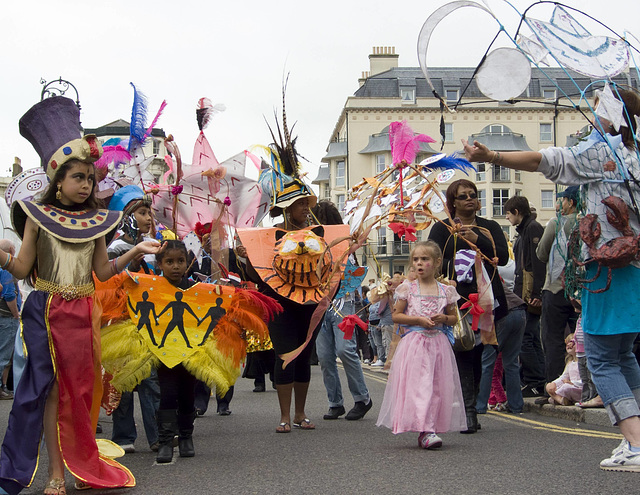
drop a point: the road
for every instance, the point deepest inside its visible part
(242, 454)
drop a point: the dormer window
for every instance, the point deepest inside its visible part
(408, 95)
(549, 94)
(452, 95)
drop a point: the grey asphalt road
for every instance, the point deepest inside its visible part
(242, 454)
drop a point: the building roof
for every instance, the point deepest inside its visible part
(335, 150)
(120, 128)
(387, 84)
(380, 142)
(507, 140)
(323, 175)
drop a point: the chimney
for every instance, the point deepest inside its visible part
(365, 75)
(382, 59)
(17, 166)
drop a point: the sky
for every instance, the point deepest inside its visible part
(235, 53)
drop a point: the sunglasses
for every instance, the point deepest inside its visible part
(464, 197)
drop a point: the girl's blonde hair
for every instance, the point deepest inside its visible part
(434, 250)
(569, 358)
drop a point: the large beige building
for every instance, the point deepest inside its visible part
(359, 146)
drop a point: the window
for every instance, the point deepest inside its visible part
(340, 173)
(482, 197)
(549, 94)
(326, 190)
(382, 240)
(448, 132)
(500, 174)
(546, 133)
(496, 129)
(380, 163)
(481, 174)
(518, 192)
(398, 268)
(546, 199)
(517, 176)
(340, 204)
(408, 95)
(452, 95)
(156, 146)
(507, 230)
(500, 197)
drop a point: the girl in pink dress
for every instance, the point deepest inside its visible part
(423, 392)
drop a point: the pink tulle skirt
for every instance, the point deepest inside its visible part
(423, 390)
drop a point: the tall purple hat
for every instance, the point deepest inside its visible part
(53, 128)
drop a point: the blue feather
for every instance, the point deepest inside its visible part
(452, 162)
(138, 125)
(112, 142)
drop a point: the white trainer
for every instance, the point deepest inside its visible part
(623, 460)
(429, 441)
(378, 363)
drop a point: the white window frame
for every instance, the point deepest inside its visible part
(340, 199)
(381, 162)
(481, 174)
(499, 200)
(546, 132)
(408, 96)
(452, 92)
(549, 94)
(500, 174)
(546, 199)
(340, 173)
(482, 198)
(448, 132)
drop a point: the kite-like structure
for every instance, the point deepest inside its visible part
(562, 39)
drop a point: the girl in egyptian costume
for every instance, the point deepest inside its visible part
(63, 241)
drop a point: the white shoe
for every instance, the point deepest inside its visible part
(367, 361)
(429, 441)
(378, 363)
(128, 448)
(623, 460)
(619, 448)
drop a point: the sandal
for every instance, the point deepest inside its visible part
(305, 424)
(283, 428)
(81, 485)
(55, 486)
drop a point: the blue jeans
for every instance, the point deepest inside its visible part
(615, 372)
(331, 343)
(375, 338)
(509, 332)
(8, 329)
(124, 425)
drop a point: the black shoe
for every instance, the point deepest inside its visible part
(541, 400)
(165, 453)
(533, 390)
(359, 410)
(334, 412)
(199, 412)
(99, 428)
(472, 424)
(259, 388)
(185, 447)
(223, 410)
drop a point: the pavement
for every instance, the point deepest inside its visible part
(592, 416)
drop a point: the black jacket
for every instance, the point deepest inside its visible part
(441, 235)
(524, 249)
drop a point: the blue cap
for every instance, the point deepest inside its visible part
(571, 192)
(123, 196)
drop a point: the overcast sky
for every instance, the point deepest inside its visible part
(234, 53)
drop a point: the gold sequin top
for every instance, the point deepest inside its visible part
(64, 263)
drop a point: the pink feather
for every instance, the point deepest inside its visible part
(404, 143)
(113, 154)
(155, 120)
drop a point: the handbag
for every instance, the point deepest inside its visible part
(464, 339)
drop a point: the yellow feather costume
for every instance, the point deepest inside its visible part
(203, 327)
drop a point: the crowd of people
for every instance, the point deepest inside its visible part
(530, 334)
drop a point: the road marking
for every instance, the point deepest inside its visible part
(538, 425)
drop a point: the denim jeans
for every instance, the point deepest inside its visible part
(331, 343)
(375, 337)
(531, 355)
(509, 332)
(8, 329)
(124, 425)
(615, 372)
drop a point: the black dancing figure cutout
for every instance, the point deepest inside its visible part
(179, 308)
(215, 313)
(145, 308)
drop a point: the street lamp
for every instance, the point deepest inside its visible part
(58, 88)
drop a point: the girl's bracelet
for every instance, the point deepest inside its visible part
(7, 261)
(114, 266)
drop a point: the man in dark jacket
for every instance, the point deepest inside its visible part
(530, 275)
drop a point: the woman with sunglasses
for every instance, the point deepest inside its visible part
(457, 264)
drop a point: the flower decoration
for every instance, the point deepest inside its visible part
(401, 229)
(475, 310)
